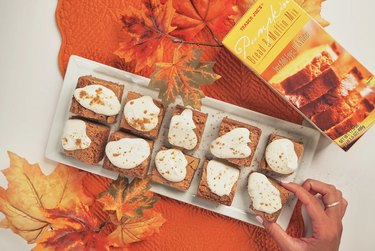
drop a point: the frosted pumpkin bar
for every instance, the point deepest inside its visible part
(128, 155)
(142, 115)
(97, 99)
(218, 182)
(174, 168)
(84, 141)
(267, 196)
(186, 128)
(282, 155)
(236, 143)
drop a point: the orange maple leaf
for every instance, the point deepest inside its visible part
(30, 192)
(194, 15)
(73, 229)
(128, 200)
(183, 77)
(145, 33)
(136, 229)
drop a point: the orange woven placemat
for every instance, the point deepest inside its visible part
(88, 29)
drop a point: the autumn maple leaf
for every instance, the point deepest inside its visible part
(136, 229)
(130, 211)
(183, 77)
(145, 32)
(192, 16)
(128, 200)
(73, 229)
(30, 193)
(314, 8)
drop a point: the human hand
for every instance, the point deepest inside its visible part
(326, 221)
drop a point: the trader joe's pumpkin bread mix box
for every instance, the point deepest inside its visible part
(284, 45)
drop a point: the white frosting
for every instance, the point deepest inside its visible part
(265, 197)
(281, 156)
(233, 144)
(221, 178)
(142, 113)
(98, 99)
(181, 131)
(171, 164)
(74, 135)
(127, 153)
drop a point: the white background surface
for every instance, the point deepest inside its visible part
(30, 84)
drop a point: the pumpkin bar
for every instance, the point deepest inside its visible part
(237, 142)
(84, 141)
(218, 182)
(174, 168)
(128, 155)
(142, 115)
(281, 155)
(97, 99)
(267, 196)
(186, 128)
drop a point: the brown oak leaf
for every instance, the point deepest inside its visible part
(192, 16)
(132, 230)
(183, 76)
(128, 200)
(145, 33)
(30, 192)
(73, 229)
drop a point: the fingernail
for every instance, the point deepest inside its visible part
(259, 219)
(285, 181)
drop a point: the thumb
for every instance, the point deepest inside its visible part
(282, 239)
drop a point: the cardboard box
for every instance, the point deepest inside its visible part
(286, 47)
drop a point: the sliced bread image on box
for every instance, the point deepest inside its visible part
(304, 68)
(315, 89)
(362, 111)
(343, 106)
(345, 103)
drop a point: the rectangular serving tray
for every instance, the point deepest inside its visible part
(216, 109)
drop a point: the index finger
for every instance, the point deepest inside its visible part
(318, 187)
(312, 205)
(329, 195)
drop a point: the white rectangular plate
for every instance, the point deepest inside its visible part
(216, 109)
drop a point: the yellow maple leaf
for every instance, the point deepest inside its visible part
(30, 192)
(131, 230)
(183, 76)
(129, 200)
(314, 8)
